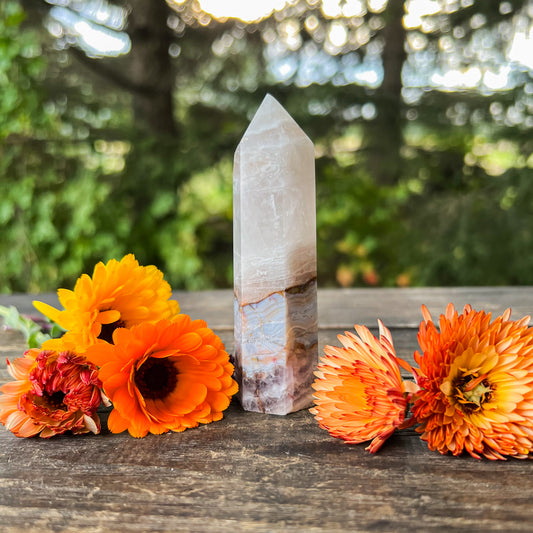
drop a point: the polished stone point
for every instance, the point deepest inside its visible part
(274, 232)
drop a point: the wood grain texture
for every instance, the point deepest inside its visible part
(264, 473)
(340, 308)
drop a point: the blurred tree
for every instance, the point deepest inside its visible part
(50, 195)
(415, 108)
(385, 132)
(146, 71)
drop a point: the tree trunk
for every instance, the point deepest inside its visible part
(149, 66)
(384, 133)
(145, 72)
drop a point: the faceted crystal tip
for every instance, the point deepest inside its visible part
(271, 115)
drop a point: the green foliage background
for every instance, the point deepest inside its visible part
(80, 182)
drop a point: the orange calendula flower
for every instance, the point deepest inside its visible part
(120, 294)
(167, 375)
(359, 393)
(54, 392)
(476, 378)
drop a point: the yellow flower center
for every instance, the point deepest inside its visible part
(471, 391)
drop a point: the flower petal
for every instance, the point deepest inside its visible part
(116, 422)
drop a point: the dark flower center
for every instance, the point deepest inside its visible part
(156, 378)
(106, 333)
(472, 392)
(55, 400)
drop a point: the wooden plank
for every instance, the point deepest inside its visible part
(401, 307)
(255, 472)
(342, 308)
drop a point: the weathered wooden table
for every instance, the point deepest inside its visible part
(255, 472)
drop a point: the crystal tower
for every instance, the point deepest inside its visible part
(274, 235)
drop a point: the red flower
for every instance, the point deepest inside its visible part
(54, 392)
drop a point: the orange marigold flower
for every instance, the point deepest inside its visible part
(120, 294)
(359, 393)
(54, 392)
(476, 378)
(167, 375)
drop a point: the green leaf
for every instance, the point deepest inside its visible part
(32, 331)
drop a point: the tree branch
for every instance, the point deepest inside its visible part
(109, 72)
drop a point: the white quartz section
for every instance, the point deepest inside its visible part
(274, 220)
